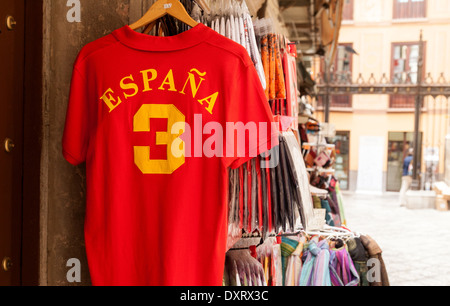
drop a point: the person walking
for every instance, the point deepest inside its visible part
(407, 176)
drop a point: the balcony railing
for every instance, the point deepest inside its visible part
(343, 84)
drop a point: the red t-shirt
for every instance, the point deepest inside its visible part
(156, 198)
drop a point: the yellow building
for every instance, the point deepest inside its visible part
(375, 131)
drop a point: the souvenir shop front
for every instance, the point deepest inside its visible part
(172, 143)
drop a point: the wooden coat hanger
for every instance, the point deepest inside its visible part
(161, 8)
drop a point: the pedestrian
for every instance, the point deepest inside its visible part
(407, 176)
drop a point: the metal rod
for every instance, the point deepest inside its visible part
(419, 99)
(327, 91)
(313, 23)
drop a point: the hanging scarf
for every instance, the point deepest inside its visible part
(294, 266)
(341, 204)
(315, 271)
(329, 215)
(288, 246)
(277, 266)
(343, 271)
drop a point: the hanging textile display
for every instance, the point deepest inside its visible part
(232, 19)
(331, 257)
(263, 198)
(271, 196)
(242, 269)
(375, 253)
(302, 178)
(254, 201)
(319, 158)
(290, 71)
(163, 212)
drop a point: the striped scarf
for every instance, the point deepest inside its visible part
(288, 246)
(315, 271)
(343, 271)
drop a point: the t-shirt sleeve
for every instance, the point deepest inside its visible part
(77, 127)
(250, 126)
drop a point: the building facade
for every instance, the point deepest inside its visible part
(380, 43)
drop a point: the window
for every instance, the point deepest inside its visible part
(343, 63)
(405, 68)
(405, 63)
(409, 9)
(399, 143)
(341, 72)
(348, 10)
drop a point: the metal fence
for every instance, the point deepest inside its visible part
(428, 98)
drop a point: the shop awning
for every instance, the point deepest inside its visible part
(315, 24)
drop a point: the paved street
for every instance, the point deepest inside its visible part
(415, 243)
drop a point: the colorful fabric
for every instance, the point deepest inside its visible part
(288, 246)
(266, 268)
(317, 203)
(335, 214)
(294, 266)
(375, 252)
(343, 271)
(328, 215)
(341, 204)
(278, 266)
(321, 274)
(361, 267)
(265, 58)
(359, 257)
(235, 280)
(315, 271)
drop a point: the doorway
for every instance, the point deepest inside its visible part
(399, 144)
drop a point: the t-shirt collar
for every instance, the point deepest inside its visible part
(146, 42)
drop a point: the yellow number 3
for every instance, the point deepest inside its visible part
(175, 146)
